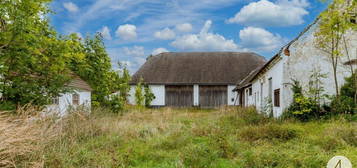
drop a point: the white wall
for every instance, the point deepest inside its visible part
(304, 58)
(231, 96)
(260, 95)
(196, 95)
(157, 90)
(65, 102)
(131, 96)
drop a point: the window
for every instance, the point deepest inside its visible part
(277, 97)
(75, 99)
(55, 101)
(250, 91)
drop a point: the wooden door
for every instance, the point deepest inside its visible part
(179, 96)
(213, 96)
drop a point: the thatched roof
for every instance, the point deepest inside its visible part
(79, 83)
(198, 68)
(247, 80)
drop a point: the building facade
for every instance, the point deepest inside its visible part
(269, 87)
(201, 79)
(79, 97)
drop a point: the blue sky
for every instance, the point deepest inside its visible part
(135, 29)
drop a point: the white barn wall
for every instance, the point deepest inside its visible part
(305, 57)
(157, 90)
(131, 97)
(231, 95)
(260, 99)
(196, 95)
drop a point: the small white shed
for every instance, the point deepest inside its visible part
(79, 98)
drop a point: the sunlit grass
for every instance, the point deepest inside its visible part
(167, 137)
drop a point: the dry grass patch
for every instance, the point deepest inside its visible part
(23, 138)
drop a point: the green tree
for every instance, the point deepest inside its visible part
(139, 96)
(124, 79)
(96, 69)
(335, 21)
(32, 58)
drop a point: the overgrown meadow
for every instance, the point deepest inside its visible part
(225, 137)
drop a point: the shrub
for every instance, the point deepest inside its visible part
(7, 105)
(304, 107)
(343, 105)
(148, 96)
(116, 103)
(346, 102)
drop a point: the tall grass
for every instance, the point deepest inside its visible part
(23, 138)
(166, 137)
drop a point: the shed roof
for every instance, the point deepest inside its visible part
(79, 83)
(198, 68)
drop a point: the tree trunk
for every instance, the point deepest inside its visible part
(336, 82)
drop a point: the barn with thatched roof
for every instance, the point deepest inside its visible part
(204, 79)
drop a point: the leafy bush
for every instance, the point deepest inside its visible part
(139, 96)
(302, 108)
(148, 96)
(342, 105)
(116, 103)
(308, 104)
(346, 102)
(7, 105)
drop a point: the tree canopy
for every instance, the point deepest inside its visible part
(36, 62)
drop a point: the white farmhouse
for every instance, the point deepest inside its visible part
(79, 97)
(269, 87)
(204, 79)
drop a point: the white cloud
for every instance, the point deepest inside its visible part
(205, 41)
(165, 34)
(126, 32)
(71, 7)
(185, 27)
(155, 14)
(159, 51)
(133, 56)
(105, 32)
(258, 39)
(265, 13)
(135, 51)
